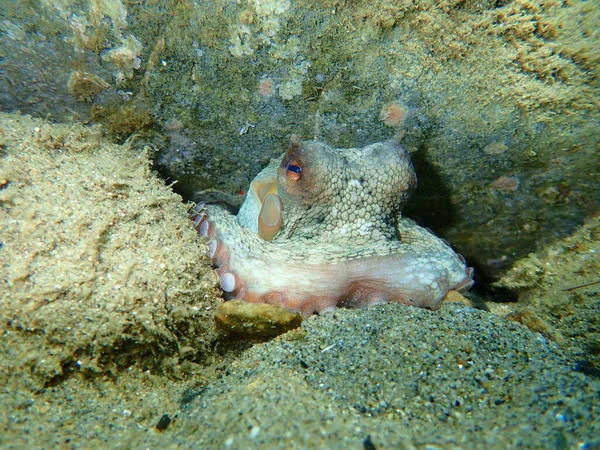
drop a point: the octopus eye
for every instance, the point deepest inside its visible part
(293, 171)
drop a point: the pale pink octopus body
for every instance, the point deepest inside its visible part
(322, 228)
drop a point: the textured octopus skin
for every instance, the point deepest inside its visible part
(322, 228)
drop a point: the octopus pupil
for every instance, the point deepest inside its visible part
(294, 168)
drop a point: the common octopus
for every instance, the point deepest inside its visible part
(322, 227)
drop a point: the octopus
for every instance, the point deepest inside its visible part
(322, 228)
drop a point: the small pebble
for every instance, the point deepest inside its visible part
(163, 423)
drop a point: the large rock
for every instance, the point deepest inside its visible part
(558, 293)
(101, 268)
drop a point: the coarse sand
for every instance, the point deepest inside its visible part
(408, 378)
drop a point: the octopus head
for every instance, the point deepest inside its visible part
(315, 192)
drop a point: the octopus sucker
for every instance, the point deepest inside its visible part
(323, 227)
(227, 281)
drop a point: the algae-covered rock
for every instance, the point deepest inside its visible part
(256, 319)
(558, 291)
(101, 268)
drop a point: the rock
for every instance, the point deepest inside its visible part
(256, 319)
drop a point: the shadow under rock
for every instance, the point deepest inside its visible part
(431, 206)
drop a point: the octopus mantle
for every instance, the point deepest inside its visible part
(322, 227)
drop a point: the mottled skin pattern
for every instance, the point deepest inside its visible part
(322, 228)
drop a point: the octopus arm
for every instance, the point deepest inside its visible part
(418, 271)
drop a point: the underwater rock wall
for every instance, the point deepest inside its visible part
(497, 101)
